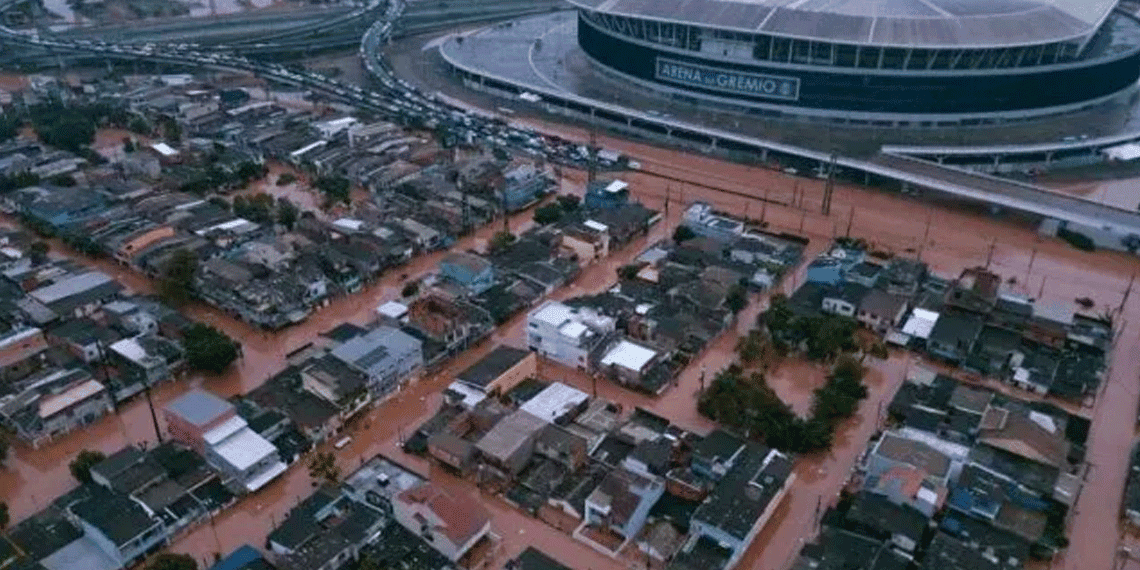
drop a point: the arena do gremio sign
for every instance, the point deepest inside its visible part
(774, 86)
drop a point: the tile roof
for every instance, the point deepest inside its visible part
(461, 516)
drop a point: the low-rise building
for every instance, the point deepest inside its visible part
(500, 371)
(572, 337)
(743, 501)
(471, 272)
(451, 523)
(78, 295)
(508, 446)
(387, 356)
(18, 352)
(54, 403)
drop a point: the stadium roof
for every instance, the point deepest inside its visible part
(904, 23)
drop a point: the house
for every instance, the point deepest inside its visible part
(386, 355)
(500, 370)
(864, 273)
(84, 338)
(453, 322)
(742, 501)
(453, 452)
(630, 364)
(622, 501)
(211, 426)
(903, 276)
(606, 195)
(377, 482)
(54, 403)
(894, 450)
(701, 218)
(336, 383)
(78, 295)
(471, 272)
(557, 403)
(118, 527)
(881, 311)
(975, 291)
(876, 514)
(452, 523)
(18, 351)
(716, 453)
(148, 358)
(562, 446)
(948, 553)
(324, 532)
(244, 558)
(908, 485)
(843, 299)
(569, 336)
(509, 445)
(589, 241)
(953, 335)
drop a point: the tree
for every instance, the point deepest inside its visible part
(9, 126)
(628, 272)
(547, 214)
(82, 464)
(208, 349)
(568, 202)
(323, 466)
(682, 234)
(176, 281)
(286, 178)
(128, 145)
(335, 188)
(170, 561)
(4, 516)
(287, 213)
(828, 335)
(3, 447)
(38, 252)
(369, 562)
(410, 289)
(736, 299)
(500, 241)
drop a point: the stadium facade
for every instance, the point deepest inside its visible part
(902, 62)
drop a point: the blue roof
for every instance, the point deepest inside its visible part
(238, 559)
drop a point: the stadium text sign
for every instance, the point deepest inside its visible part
(773, 86)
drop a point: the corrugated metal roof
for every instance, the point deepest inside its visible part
(907, 23)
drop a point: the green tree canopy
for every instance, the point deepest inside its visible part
(5, 518)
(287, 213)
(81, 466)
(547, 214)
(208, 349)
(323, 466)
(335, 188)
(683, 233)
(170, 561)
(176, 280)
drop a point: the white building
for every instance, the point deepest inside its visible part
(243, 455)
(567, 335)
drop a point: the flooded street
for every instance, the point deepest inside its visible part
(1048, 269)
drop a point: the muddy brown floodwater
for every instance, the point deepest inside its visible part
(956, 239)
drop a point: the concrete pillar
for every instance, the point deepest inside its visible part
(1048, 158)
(997, 160)
(763, 155)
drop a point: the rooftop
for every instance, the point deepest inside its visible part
(554, 402)
(913, 452)
(630, 356)
(490, 367)
(199, 408)
(511, 433)
(535, 559)
(244, 449)
(119, 518)
(461, 517)
(746, 490)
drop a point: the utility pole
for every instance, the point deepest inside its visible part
(592, 152)
(850, 220)
(764, 206)
(1127, 292)
(829, 186)
(925, 236)
(153, 416)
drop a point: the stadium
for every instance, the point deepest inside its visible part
(914, 63)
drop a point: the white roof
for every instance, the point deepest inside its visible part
(70, 286)
(629, 356)
(554, 401)
(553, 313)
(258, 481)
(244, 448)
(471, 396)
(1127, 151)
(616, 186)
(130, 349)
(18, 336)
(920, 323)
(164, 149)
(349, 224)
(59, 402)
(236, 225)
(596, 226)
(573, 329)
(392, 309)
(226, 429)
